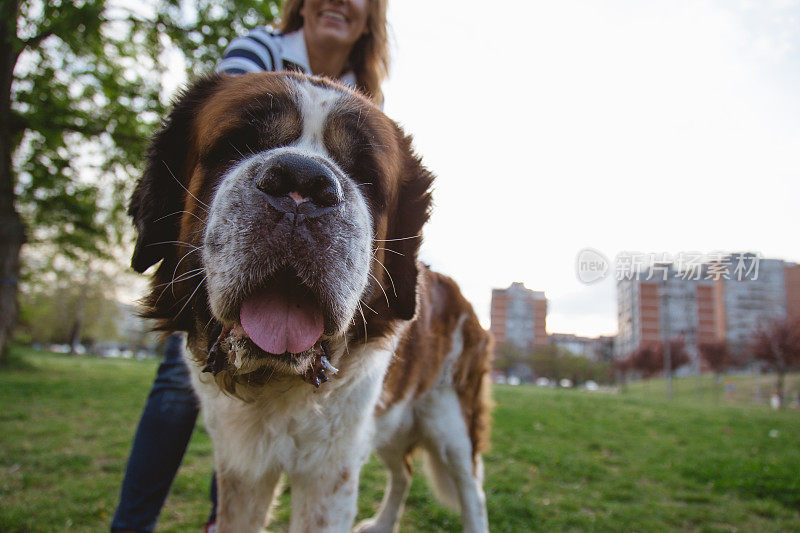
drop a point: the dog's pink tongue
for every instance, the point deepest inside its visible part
(281, 320)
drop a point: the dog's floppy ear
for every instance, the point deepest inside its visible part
(404, 234)
(156, 202)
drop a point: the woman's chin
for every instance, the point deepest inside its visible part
(334, 34)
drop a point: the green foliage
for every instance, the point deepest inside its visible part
(507, 356)
(59, 301)
(556, 363)
(561, 460)
(202, 29)
(552, 362)
(82, 105)
(87, 93)
(82, 87)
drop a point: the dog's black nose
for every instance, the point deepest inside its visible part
(297, 184)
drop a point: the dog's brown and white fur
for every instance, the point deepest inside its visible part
(214, 207)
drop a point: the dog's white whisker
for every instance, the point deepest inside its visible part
(399, 239)
(394, 289)
(237, 150)
(184, 243)
(368, 307)
(205, 328)
(203, 204)
(364, 319)
(389, 250)
(381, 286)
(189, 299)
(172, 282)
(183, 277)
(179, 264)
(179, 213)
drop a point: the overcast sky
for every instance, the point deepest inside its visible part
(651, 126)
(661, 126)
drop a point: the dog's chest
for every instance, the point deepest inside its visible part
(293, 427)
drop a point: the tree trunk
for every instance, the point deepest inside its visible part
(12, 232)
(75, 335)
(77, 326)
(779, 386)
(12, 235)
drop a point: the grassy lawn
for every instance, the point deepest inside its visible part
(560, 460)
(742, 390)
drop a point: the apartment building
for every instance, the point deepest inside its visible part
(518, 317)
(724, 299)
(742, 305)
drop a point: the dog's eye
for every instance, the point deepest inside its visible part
(350, 142)
(233, 146)
(267, 124)
(355, 147)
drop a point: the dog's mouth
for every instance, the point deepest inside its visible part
(282, 318)
(282, 324)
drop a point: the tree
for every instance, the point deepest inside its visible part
(677, 351)
(558, 363)
(80, 93)
(717, 355)
(644, 359)
(507, 356)
(68, 307)
(777, 344)
(622, 368)
(650, 358)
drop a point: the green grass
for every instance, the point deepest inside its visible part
(741, 390)
(560, 460)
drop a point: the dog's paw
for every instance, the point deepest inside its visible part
(371, 526)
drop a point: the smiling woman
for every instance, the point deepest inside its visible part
(345, 40)
(368, 56)
(331, 31)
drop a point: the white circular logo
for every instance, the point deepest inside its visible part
(591, 265)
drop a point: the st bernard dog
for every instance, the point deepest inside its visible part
(286, 214)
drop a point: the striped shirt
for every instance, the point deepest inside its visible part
(266, 50)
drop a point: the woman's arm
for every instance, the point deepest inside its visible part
(255, 52)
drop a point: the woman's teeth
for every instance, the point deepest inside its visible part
(334, 15)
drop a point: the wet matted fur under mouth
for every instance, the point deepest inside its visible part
(235, 359)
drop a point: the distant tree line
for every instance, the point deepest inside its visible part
(775, 345)
(551, 362)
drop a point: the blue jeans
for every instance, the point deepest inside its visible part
(161, 438)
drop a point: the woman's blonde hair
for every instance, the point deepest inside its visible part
(369, 58)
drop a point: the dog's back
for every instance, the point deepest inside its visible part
(436, 398)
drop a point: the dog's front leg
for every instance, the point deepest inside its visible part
(325, 502)
(243, 502)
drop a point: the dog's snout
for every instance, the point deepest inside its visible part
(291, 181)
